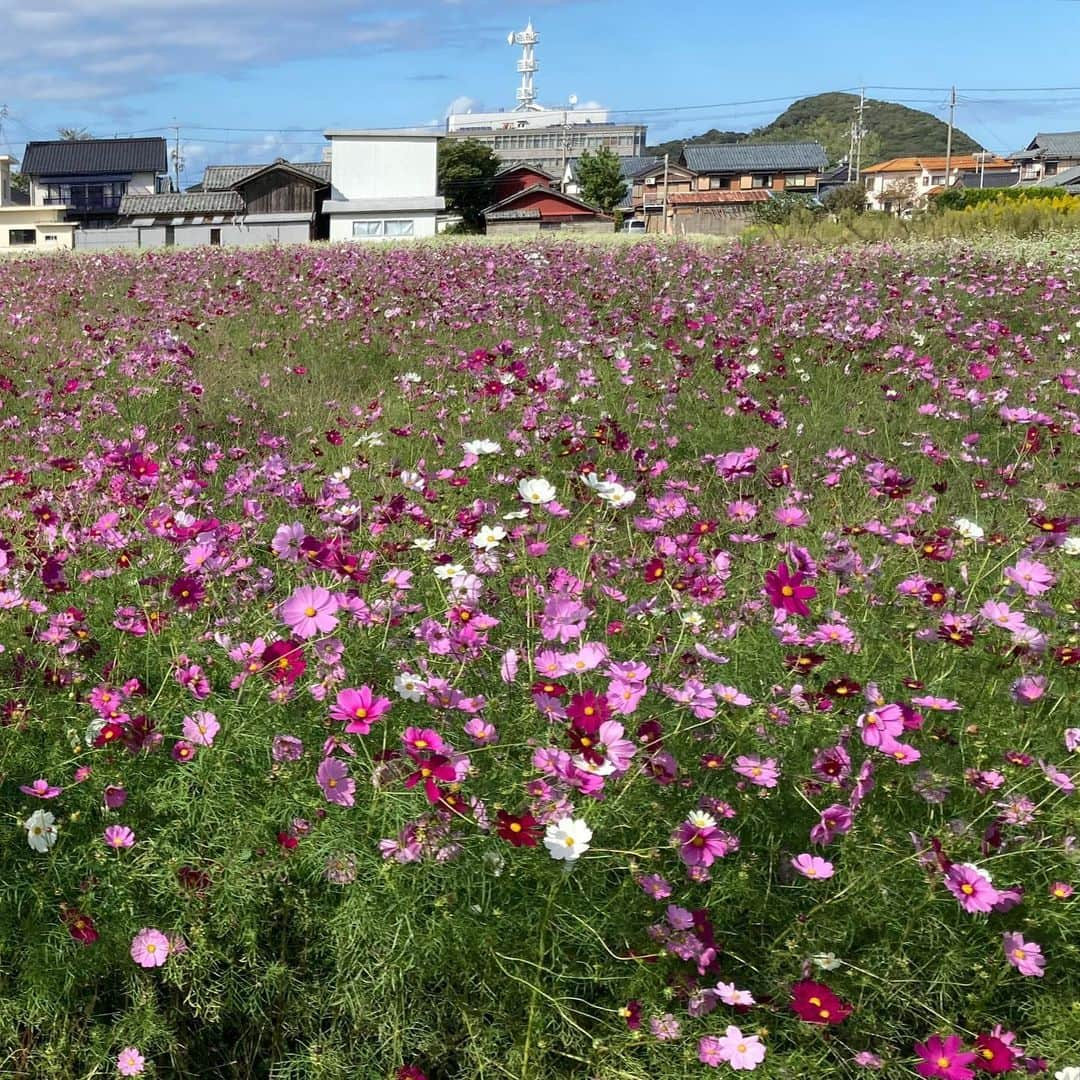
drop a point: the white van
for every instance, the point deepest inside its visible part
(635, 225)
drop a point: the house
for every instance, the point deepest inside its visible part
(1047, 154)
(382, 184)
(24, 227)
(517, 176)
(647, 194)
(906, 182)
(541, 208)
(1068, 180)
(236, 205)
(89, 177)
(996, 179)
(756, 166)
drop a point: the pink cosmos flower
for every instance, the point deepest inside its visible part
(150, 948)
(709, 1051)
(880, 727)
(741, 1052)
(1028, 689)
(119, 836)
(1031, 577)
(310, 611)
(764, 773)
(1001, 615)
(129, 1062)
(813, 866)
(337, 786)
(361, 708)
(786, 591)
(944, 1058)
(40, 789)
(201, 728)
(1025, 956)
(971, 887)
(701, 843)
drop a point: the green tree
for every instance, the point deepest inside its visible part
(71, 134)
(601, 179)
(849, 198)
(467, 170)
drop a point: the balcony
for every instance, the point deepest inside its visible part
(86, 204)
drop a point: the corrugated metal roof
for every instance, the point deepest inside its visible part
(750, 157)
(187, 202)
(224, 177)
(718, 198)
(995, 179)
(513, 215)
(84, 156)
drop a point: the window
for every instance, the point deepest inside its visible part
(404, 227)
(21, 237)
(215, 237)
(795, 180)
(367, 228)
(761, 180)
(50, 236)
(85, 198)
(925, 180)
(719, 183)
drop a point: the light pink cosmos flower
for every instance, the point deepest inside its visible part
(729, 994)
(40, 789)
(741, 1052)
(337, 786)
(1025, 956)
(813, 866)
(129, 1062)
(764, 773)
(119, 836)
(201, 728)
(310, 611)
(150, 948)
(1031, 577)
(1001, 615)
(1072, 739)
(880, 727)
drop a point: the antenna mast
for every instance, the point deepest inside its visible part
(527, 66)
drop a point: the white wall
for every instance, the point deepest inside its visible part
(369, 167)
(341, 225)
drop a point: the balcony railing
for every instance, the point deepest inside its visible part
(82, 204)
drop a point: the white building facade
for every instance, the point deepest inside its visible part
(382, 184)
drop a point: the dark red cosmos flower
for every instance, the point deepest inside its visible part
(283, 661)
(817, 1004)
(934, 594)
(521, 830)
(190, 877)
(654, 570)
(287, 841)
(80, 927)
(994, 1056)
(430, 769)
(110, 733)
(842, 689)
(187, 592)
(805, 661)
(631, 1013)
(588, 710)
(411, 1072)
(1067, 655)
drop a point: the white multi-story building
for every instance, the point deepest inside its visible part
(382, 184)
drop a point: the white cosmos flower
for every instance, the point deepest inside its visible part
(1070, 1072)
(597, 486)
(479, 447)
(700, 820)
(620, 497)
(448, 570)
(968, 529)
(424, 543)
(536, 490)
(341, 475)
(567, 839)
(1071, 546)
(488, 537)
(412, 377)
(694, 619)
(40, 830)
(410, 687)
(515, 515)
(370, 438)
(412, 480)
(604, 768)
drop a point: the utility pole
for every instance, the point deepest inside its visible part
(860, 131)
(177, 159)
(665, 194)
(948, 139)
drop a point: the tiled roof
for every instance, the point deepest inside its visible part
(512, 215)
(79, 157)
(750, 157)
(999, 178)
(718, 198)
(224, 177)
(1067, 178)
(936, 163)
(514, 166)
(631, 166)
(187, 202)
(1048, 144)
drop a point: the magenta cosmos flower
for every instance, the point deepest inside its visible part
(701, 843)
(360, 708)
(150, 948)
(40, 789)
(119, 836)
(337, 785)
(1025, 956)
(971, 887)
(944, 1058)
(786, 591)
(310, 611)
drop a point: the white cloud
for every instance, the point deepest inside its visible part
(462, 104)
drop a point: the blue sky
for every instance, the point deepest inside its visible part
(236, 76)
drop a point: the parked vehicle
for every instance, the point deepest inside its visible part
(636, 225)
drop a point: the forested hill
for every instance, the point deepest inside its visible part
(892, 130)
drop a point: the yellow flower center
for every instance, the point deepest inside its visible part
(787, 590)
(309, 612)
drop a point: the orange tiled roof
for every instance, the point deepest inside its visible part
(963, 162)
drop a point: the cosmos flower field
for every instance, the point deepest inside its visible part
(541, 662)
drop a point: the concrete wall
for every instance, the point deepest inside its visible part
(369, 167)
(104, 239)
(341, 225)
(532, 228)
